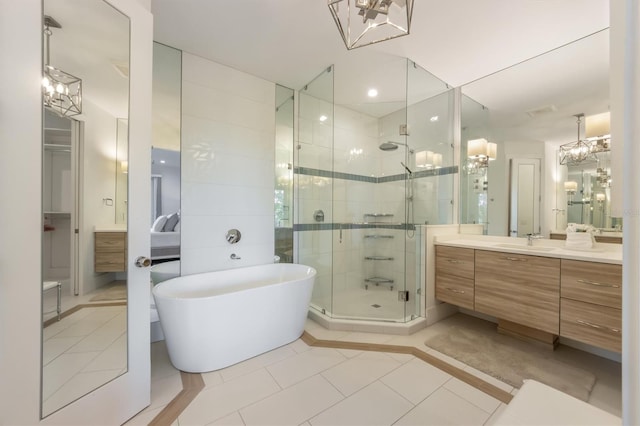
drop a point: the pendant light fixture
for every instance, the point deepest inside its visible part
(61, 91)
(364, 22)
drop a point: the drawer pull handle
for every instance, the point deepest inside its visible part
(453, 290)
(597, 284)
(599, 327)
(515, 259)
(454, 261)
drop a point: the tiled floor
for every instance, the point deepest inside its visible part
(81, 352)
(302, 385)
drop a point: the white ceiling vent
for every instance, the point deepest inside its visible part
(540, 111)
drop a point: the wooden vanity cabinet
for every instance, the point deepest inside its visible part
(455, 276)
(591, 303)
(110, 251)
(520, 288)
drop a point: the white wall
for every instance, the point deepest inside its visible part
(228, 131)
(98, 182)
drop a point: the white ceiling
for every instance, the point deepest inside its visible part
(291, 41)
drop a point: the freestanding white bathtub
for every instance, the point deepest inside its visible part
(216, 319)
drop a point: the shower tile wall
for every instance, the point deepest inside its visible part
(228, 132)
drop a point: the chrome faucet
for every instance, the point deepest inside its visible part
(531, 237)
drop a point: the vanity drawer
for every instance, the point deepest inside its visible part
(455, 290)
(110, 241)
(455, 261)
(595, 325)
(519, 288)
(598, 283)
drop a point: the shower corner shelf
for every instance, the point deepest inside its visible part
(378, 258)
(378, 236)
(377, 281)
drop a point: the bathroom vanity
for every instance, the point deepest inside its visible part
(110, 249)
(540, 292)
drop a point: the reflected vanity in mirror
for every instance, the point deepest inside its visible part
(84, 337)
(530, 118)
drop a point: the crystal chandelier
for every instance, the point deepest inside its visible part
(61, 91)
(364, 22)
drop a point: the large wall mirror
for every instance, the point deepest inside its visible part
(517, 119)
(164, 222)
(84, 335)
(283, 196)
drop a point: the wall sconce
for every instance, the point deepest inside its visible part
(124, 167)
(428, 160)
(600, 197)
(570, 187)
(479, 153)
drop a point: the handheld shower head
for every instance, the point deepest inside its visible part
(406, 168)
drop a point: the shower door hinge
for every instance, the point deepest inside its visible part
(403, 296)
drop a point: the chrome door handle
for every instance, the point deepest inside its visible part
(143, 262)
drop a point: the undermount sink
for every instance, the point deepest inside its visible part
(524, 247)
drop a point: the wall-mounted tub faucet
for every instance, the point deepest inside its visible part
(235, 256)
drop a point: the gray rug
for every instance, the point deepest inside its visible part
(115, 290)
(508, 359)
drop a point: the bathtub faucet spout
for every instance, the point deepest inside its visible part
(235, 257)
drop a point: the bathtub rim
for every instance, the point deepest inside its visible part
(158, 288)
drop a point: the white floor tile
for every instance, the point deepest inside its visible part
(257, 363)
(496, 414)
(401, 358)
(415, 380)
(299, 346)
(160, 363)
(144, 417)
(231, 420)
(293, 405)
(374, 405)
(473, 395)
(444, 408)
(113, 357)
(56, 346)
(349, 353)
(62, 369)
(356, 373)
(78, 385)
(212, 378)
(217, 402)
(295, 369)
(164, 390)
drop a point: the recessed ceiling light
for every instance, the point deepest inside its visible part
(372, 93)
(434, 119)
(323, 118)
(162, 161)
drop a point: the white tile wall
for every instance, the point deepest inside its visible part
(228, 132)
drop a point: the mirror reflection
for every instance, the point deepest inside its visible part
(283, 197)
(165, 224)
(84, 338)
(529, 119)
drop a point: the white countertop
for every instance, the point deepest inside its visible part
(606, 233)
(110, 228)
(601, 252)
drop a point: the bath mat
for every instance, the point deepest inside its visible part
(115, 290)
(510, 360)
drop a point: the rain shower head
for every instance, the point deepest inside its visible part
(391, 146)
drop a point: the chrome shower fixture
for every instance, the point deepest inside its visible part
(392, 146)
(406, 168)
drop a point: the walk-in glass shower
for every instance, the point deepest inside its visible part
(369, 171)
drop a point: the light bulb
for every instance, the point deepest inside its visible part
(59, 88)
